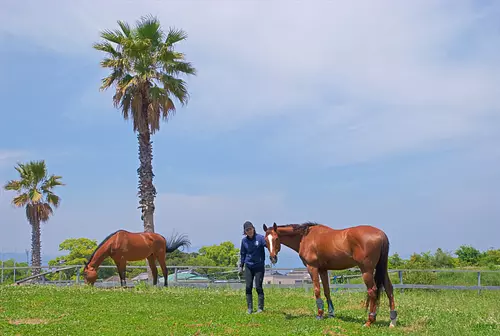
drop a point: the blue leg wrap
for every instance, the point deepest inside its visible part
(320, 304)
(394, 314)
(331, 310)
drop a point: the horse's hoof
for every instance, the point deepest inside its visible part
(331, 315)
(367, 325)
(319, 317)
(392, 325)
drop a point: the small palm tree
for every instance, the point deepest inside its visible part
(34, 192)
(144, 71)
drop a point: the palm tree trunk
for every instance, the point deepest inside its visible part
(36, 246)
(147, 190)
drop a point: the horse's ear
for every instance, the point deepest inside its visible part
(264, 226)
(275, 227)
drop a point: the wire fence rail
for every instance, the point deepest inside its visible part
(207, 276)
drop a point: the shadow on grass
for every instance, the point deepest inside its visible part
(340, 317)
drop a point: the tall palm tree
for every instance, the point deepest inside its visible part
(144, 69)
(34, 192)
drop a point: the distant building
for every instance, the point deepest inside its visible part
(291, 278)
(190, 276)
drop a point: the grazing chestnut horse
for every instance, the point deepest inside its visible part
(322, 248)
(123, 246)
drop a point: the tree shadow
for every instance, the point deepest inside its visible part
(351, 319)
(343, 318)
(289, 316)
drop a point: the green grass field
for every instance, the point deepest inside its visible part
(44, 310)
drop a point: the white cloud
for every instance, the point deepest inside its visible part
(351, 81)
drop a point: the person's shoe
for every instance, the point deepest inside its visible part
(249, 311)
(259, 311)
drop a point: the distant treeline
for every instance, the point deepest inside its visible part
(466, 256)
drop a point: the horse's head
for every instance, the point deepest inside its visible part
(272, 241)
(89, 274)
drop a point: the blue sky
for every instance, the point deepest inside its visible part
(383, 113)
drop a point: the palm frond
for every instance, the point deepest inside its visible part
(125, 28)
(175, 35)
(178, 68)
(38, 170)
(44, 212)
(114, 36)
(14, 185)
(35, 195)
(148, 28)
(51, 182)
(168, 109)
(140, 121)
(21, 200)
(53, 199)
(125, 105)
(106, 47)
(32, 213)
(175, 86)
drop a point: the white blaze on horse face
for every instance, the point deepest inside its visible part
(270, 240)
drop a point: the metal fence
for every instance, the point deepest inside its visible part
(228, 277)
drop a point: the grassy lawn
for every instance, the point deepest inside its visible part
(44, 310)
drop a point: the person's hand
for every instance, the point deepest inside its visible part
(240, 273)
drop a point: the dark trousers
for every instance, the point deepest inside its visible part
(256, 274)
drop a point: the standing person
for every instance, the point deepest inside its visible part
(252, 256)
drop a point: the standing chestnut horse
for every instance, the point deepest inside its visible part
(123, 246)
(322, 248)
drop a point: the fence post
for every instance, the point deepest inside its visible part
(479, 282)
(78, 275)
(2, 269)
(14, 271)
(400, 273)
(175, 275)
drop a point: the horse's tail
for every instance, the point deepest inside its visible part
(176, 241)
(381, 274)
(381, 268)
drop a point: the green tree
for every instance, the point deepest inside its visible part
(224, 254)
(490, 258)
(35, 193)
(443, 259)
(395, 261)
(179, 258)
(145, 70)
(420, 261)
(468, 255)
(8, 273)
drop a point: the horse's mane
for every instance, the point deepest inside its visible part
(300, 228)
(98, 246)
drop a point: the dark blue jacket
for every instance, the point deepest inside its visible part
(252, 252)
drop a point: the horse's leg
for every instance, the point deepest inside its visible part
(122, 266)
(154, 270)
(390, 294)
(372, 294)
(164, 269)
(313, 272)
(326, 289)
